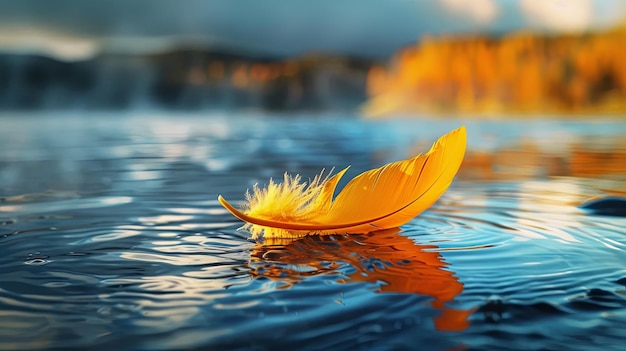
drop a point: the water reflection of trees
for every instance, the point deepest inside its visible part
(386, 257)
(532, 160)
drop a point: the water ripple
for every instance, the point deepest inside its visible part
(129, 249)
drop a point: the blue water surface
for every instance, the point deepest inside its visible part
(112, 237)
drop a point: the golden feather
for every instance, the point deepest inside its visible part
(381, 198)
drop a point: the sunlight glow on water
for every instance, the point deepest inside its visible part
(112, 238)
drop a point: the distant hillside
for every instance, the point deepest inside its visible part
(517, 73)
(183, 79)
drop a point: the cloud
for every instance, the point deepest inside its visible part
(561, 15)
(481, 11)
(278, 27)
(48, 42)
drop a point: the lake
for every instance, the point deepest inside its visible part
(112, 236)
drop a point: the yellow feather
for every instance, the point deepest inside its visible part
(381, 198)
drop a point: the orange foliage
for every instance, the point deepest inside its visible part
(240, 78)
(242, 75)
(521, 72)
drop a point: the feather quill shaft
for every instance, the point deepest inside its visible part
(381, 198)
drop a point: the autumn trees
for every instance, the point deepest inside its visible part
(520, 73)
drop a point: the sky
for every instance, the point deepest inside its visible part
(79, 29)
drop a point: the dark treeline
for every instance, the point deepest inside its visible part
(183, 79)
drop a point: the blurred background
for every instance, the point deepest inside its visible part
(121, 121)
(375, 58)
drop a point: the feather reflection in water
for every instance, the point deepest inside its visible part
(407, 267)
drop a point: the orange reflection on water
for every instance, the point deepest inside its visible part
(526, 159)
(386, 256)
